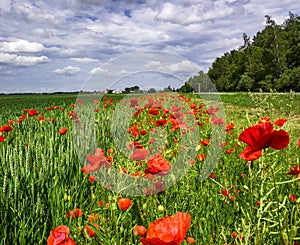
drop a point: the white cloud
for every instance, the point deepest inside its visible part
(21, 46)
(184, 66)
(98, 70)
(68, 52)
(68, 70)
(197, 12)
(84, 60)
(19, 60)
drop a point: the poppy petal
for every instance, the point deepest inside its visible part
(280, 139)
(251, 134)
(250, 153)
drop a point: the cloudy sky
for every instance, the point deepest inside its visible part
(48, 46)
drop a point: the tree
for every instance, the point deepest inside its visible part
(270, 59)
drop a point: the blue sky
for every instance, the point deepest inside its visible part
(48, 46)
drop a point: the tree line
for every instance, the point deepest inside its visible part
(271, 60)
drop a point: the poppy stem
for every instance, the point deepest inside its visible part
(217, 183)
(287, 181)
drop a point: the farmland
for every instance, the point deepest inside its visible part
(51, 174)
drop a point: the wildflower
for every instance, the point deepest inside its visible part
(90, 232)
(92, 178)
(63, 131)
(139, 154)
(280, 122)
(124, 203)
(161, 122)
(60, 235)
(134, 102)
(232, 198)
(292, 197)
(158, 165)
(225, 192)
(201, 157)
(159, 186)
(190, 240)
(204, 142)
(96, 161)
(93, 217)
(6, 128)
(32, 113)
(153, 111)
(77, 212)
(2, 138)
(233, 235)
(139, 230)
(262, 136)
(295, 170)
(143, 132)
(168, 230)
(212, 176)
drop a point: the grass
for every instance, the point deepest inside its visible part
(41, 182)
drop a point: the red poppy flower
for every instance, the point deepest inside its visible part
(159, 186)
(158, 165)
(262, 136)
(232, 198)
(2, 138)
(60, 236)
(92, 178)
(201, 157)
(89, 230)
(225, 192)
(168, 230)
(280, 122)
(233, 235)
(139, 154)
(295, 170)
(11, 121)
(190, 240)
(124, 203)
(204, 142)
(41, 118)
(93, 217)
(134, 102)
(143, 132)
(292, 197)
(32, 113)
(218, 121)
(153, 111)
(298, 143)
(139, 230)
(6, 128)
(133, 130)
(229, 127)
(96, 161)
(63, 131)
(161, 122)
(212, 176)
(77, 212)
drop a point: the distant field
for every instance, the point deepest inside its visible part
(43, 176)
